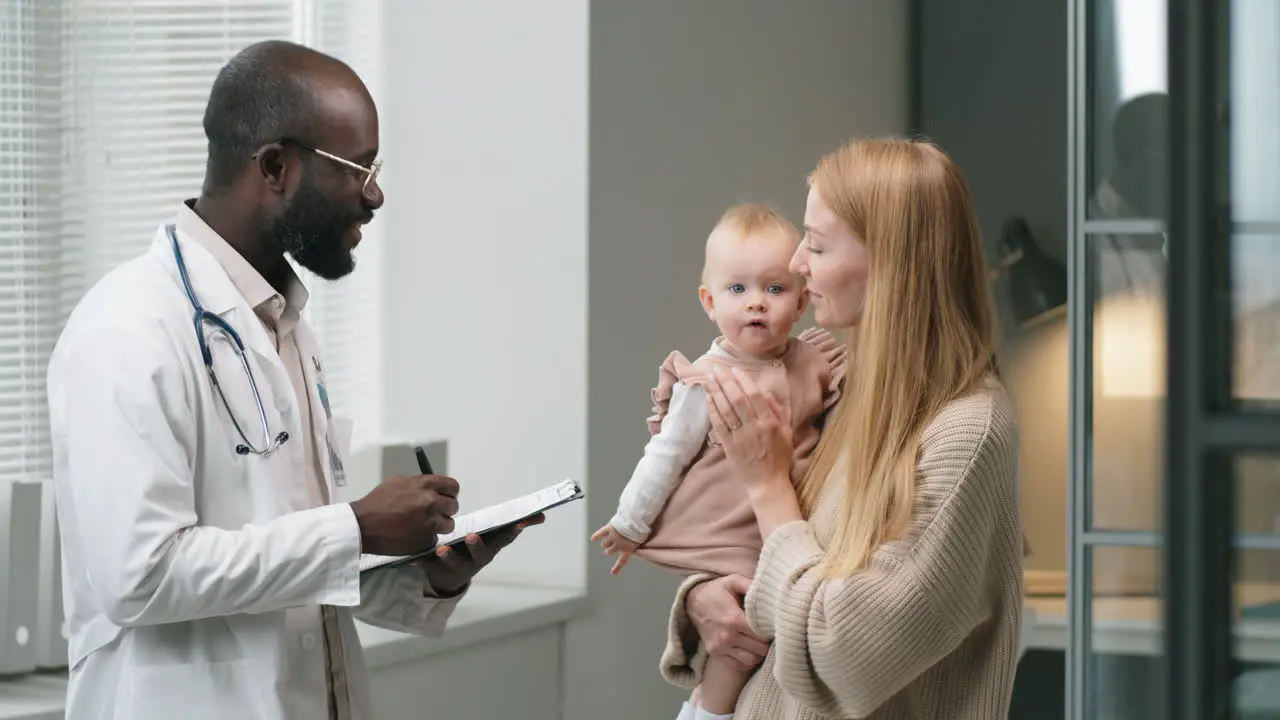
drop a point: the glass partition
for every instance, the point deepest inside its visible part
(1174, 337)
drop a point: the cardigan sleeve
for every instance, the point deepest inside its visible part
(845, 646)
(685, 655)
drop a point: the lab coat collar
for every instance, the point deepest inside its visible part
(218, 294)
(280, 310)
(210, 283)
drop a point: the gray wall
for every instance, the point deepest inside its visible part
(693, 106)
(992, 91)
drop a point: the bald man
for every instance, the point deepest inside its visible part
(211, 566)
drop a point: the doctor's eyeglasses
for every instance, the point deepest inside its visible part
(370, 171)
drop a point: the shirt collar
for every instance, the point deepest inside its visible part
(279, 311)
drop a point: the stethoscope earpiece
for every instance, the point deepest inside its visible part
(242, 449)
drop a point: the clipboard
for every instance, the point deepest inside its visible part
(486, 520)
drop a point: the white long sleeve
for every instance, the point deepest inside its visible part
(666, 456)
(125, 435)
(402, 599)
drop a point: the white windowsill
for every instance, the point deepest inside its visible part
(490, 610)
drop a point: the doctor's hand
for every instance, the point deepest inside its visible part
(449, 569)
(404, 515)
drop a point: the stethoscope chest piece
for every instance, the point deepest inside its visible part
(243, 449)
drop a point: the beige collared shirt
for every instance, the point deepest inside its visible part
(281, 313)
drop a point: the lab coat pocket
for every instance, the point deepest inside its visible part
(197, 691)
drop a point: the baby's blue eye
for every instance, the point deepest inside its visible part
(776, 289)
(737, 289)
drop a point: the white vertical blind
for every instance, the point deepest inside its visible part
(29, 233)
(347, 314)
(101, 107)
(137, 75)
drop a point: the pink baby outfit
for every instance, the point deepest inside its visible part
(707, 523)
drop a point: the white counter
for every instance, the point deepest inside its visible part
(488, 611)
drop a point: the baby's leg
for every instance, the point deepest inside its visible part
(702, 714)
(721, 685)
(689, 708)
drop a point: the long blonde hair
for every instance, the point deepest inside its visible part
(926, 336)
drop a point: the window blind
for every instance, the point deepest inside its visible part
(347, 315)
(101, 103)
(29, 233)
(137, 75)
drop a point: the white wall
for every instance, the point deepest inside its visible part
(693, 106)
(485, 137)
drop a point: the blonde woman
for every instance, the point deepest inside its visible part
(890, 582)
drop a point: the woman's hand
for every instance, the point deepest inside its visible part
(755, 432)
(715, 607)
(754, 429)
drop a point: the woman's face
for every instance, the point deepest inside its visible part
(834, 265)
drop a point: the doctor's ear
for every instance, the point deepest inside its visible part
(269, 161)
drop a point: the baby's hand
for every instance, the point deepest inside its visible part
(615, 542)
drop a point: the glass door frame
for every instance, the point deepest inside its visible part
(1198, 484)
(1205, 427)
(1082, 230)
(1080, 351)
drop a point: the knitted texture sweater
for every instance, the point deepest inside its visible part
(929, 629)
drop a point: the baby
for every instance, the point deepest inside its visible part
(682, 508)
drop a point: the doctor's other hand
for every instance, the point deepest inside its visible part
(450, 568)
(405, 514)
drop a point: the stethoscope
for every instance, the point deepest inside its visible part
(223, 328)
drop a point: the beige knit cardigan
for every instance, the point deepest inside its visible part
(929, 630)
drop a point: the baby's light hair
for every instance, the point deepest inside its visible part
(752, 221)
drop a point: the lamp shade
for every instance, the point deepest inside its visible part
(1037, 282)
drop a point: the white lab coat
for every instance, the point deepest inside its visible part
(193, 576)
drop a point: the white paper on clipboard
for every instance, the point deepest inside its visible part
(487, 519)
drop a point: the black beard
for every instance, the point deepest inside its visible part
(312, 229)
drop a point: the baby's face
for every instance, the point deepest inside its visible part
(750, 293)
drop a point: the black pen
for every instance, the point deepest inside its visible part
(423, 463)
